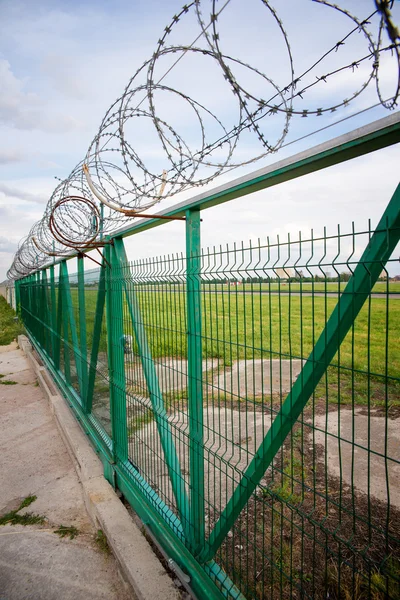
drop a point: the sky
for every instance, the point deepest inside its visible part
(62, 64)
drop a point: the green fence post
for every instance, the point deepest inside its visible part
(156, 397)
(70, 318)
(53, 313)
(378, 251)
(195, 375)
(46, 313)
(82, 328)
(64, 317)
(59, 321)
(98, 320)
(116, 357)
(37, 295)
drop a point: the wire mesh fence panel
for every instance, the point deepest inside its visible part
(323, 518)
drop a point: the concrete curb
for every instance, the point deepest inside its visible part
(138, 564)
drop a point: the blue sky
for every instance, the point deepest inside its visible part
(63, 63)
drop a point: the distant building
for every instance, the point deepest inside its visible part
(285, 274)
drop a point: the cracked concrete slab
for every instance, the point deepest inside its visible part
(257, 377)
(231, 439)
(366, 436)
(35, 563)
(171, 372)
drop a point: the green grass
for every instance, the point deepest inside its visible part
(252, 326)
(345, 387)
(140, 420)
(67, 531)
(101, 542)
(381, 287)
(7, 382)
(9, 328)
(13, 518)
(237, 326)
(26, 502)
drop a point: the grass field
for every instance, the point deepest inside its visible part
(381, 287)
(9, 327)
(237, 326)
(284, 287)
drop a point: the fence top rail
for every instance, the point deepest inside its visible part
(368, 138)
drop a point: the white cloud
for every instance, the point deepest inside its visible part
(10, 155)
(26, 110)
(8, 245)
(18, 194)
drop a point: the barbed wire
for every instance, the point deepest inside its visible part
(119, 179)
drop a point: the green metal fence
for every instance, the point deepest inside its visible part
(244, 398)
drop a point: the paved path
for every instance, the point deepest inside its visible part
(35, 563)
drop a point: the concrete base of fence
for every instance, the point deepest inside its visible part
(138, 564)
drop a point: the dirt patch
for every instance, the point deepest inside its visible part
(306, 534)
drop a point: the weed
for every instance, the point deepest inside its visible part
(27, 519)
(7, 382)
(64, 531)
(101, 541)
(376, 587)
(172, 398)
(293, 474)
(140, 420)
(13, 518)
(102, 388)
(27, 502)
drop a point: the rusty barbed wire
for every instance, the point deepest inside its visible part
(193, 145)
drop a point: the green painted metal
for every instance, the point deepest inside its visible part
(71, 322)
(100, 303)
(101, 444)
(82, 327)
(157, 403)
(195, 376)
(45, 303)
(201, 580)
(208, 581)
(59, 320)
(65, 321)
(383, 242)
(116, 359)
(53, 312)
